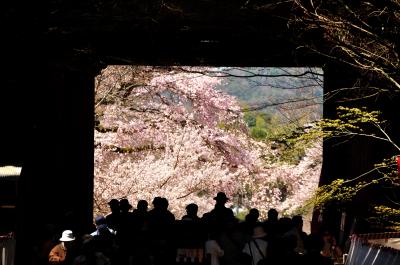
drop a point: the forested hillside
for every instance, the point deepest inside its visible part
(278, 103)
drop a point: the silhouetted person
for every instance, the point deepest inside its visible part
(142, 206)
(271, 226)
(314, 245)
(212, 250)
(46, 240)
(160, 215)
(253, 215)
(232, 240)
(60, 254)
(125, 233)
(141, 241)
(112, 218)
(330, 248)
(284, 225)
(273, 215)
(288, 253)
(90, 255)
(256, 248)
(297, 231)
(104, 238)
(140, 217)
(191, 213)
(160, 223)
(190, 236)
(250, 221)
(220, 215)
(101, 223)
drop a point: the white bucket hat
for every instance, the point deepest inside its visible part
(67, 235)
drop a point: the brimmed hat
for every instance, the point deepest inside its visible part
(124, 204)
(258, 232)
(67, 235)
(221, 196)
(113, 202)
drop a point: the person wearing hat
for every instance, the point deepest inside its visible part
(221, 197)
(125, 218)
(220, 215)
(220, 200)
(112, 219)
(59, 254)
(124, 205)
(256, 248)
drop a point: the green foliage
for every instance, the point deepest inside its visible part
(352, 121)
(102, 129)
(384, 216)
(241, 215)
(250, 119)
(291, 143)
(232, 126)
(388, 169)
(291, 151)
(338, 192)
(358, 122)
(283, 136)
(258, 123)
(258, 133)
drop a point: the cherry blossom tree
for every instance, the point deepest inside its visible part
(166, 131)
(286, 187)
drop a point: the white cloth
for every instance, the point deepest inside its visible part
(96, 233)
(262, 245)
(215, 251)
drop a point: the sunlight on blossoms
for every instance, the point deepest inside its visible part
(186, 133)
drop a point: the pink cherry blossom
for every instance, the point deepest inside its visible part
(170, 133)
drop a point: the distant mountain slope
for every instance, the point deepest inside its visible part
(277, 90)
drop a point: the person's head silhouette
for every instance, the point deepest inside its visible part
(124, 205)
(191, 209)
(114, 205)
(142, 205)
(221, 198)
(273, 215)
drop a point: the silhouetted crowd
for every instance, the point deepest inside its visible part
(155, 237)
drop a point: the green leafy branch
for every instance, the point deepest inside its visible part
(386, 216)
(355, 122)
(349, 123)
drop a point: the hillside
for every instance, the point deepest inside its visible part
(277, 91)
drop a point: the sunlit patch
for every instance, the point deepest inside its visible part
(185, 133)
